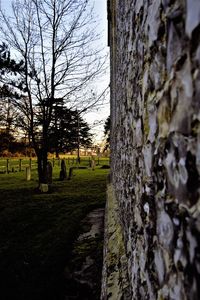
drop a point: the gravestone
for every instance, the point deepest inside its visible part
(70, 173)
(93, 164)
(63, 171)
(49, 172)
(44, 188)
(28, 173)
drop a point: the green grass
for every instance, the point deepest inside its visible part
(70, 161)
(37, 231)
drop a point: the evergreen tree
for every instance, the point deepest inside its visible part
(11, 87)
(68, 131)
(10, 83)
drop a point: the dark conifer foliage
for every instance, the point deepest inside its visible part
(107, 132)
(68, 131)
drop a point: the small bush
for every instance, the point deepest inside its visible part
(6, 153)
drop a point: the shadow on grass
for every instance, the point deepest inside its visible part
(38, 231)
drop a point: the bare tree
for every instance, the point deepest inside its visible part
(55, 39)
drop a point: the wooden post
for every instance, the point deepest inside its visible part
(30, 162)
(7, 165)
(20, 165)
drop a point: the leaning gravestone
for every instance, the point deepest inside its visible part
(63, 171)
(49, 172)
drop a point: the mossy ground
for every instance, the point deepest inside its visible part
(37, 231)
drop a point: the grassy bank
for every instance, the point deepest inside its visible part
(37, 231)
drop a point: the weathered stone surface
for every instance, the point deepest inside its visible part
(193, 16)
(155, 143)
(115, 284)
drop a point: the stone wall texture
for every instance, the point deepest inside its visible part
(155, 143)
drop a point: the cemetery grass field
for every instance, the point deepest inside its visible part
(37, 230)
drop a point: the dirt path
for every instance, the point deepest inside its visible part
(83, 274)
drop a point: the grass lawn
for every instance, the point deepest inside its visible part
(37, 231)
(25, 162)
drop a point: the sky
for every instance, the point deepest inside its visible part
(98, 115)
(100, 7)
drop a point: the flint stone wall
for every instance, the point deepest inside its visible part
(155, 143)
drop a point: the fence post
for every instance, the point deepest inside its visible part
(7, 165)
(20, 165)
(30, 162)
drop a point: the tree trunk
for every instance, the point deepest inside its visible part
(78, 154)
(57, 153)
(42, 170)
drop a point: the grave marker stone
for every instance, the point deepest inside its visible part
(28, 173)
(70, 173)
(63, 171)
(44, 188)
